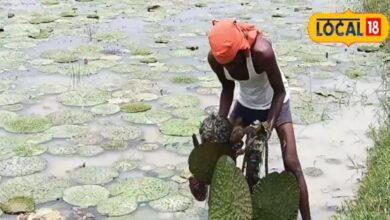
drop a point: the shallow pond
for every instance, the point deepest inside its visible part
(69, 69)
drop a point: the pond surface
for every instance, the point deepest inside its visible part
(69, 68)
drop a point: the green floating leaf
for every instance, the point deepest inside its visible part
(67, 131)
(203, 159)
(117, 206)
(41, 187)
(71, 117)
(60, 56)
(172, 203)
(28, 150)
(313, 171)
(230, 197)
(179, 127)
(98, 175)
(153, 116)
(18, 205)
(143, 189)
(176, 101)
(105, 109)
(184, 79)
(135, 107)
(276, 197)
(20, 166)
(121, 132)
(84, 97)
(125, 165)
(86, 195)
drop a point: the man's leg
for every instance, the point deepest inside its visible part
(291, 163)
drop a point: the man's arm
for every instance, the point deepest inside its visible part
(227, 93)
(274, 75)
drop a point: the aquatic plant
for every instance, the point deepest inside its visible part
(215, 128)
(148, 146)
(86, 97)
(188, 112)
(203, 159)
(230, 197)
(172, 203)
(28, 150)
(125, 165)
(20, 166)
(62, 148)
(90, 151)
(149, 117)
(70, 117)
(9, 99)
(105, 109)
(18, 205)
(117, 206)
(313, 171)
(179, 127)
(135, 107)
(66, 131)
(98, 175)
(25, 124)
(121, 132)
(60, 55)
(276, 197)
(42, 188)
(176, 101)
(143, 189)
(86, 195)
(115, 144)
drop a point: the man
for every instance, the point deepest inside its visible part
(240, 52)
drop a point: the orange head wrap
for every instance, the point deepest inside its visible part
(227, 37)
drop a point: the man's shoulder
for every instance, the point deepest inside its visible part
(263, 48)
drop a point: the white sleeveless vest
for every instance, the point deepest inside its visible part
(256, 92)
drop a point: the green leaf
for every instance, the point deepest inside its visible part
(203, 159)
(18, 205)
(276, 197)
(229, 194)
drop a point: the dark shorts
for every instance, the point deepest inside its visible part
(248, 115)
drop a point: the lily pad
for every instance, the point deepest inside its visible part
(26, 124)
(161, 172)
(21, 166)
(313, 171)
(70, 117)
(143, 189)
(333, 161)
(46, 213)
(18, 205)
(115, 145)
(60, 56)
(188, 112)
(125, 165)
(62, 148)
(135, 107)
(10, 99)
(86, 195)
(180, 145)
(105, 109)
(117, 206)
(42, 188)
(98, 175)
(148, 146)
(11, 60)
(153, 116)
(203, 159)
(176, 101)
(90, 151)
(172, 203)
(43, 18)
(67, 131)
(229, 193)
(6, 116)
(37, 138)
(28, 150)
(84, 97)
(276, 197)
(121, 132)
(179, 127)
(355, 73)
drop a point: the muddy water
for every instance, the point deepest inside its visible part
(342, 137)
